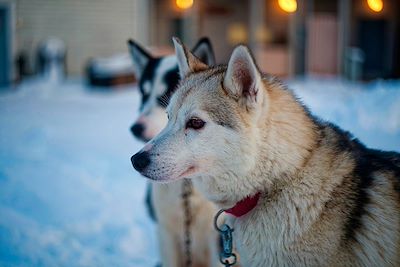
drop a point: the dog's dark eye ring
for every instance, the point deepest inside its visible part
(195, 123)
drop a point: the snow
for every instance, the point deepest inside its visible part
(370, 111)
(68, 193)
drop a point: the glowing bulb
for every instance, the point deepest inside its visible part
(289, 6)
(375, 5)
(184, 4)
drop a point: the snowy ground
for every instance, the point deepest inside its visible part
(370, 111)
(68, 193)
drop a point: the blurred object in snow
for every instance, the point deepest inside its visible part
(355, 58)
(115, 70)
(51, 59)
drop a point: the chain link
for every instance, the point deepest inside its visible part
(186, 192)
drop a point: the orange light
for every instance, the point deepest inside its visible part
(375, 5)
(184, 4)
(289, 6)
(236, 33)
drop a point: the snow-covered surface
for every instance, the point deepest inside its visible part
(370, 111)
(68, 193)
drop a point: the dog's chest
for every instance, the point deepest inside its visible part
(168, 204)
(257, 243)
(262, 239)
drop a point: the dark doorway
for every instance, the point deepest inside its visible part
(373, 40)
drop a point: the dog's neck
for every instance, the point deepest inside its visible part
(285, 147)
(290, 136)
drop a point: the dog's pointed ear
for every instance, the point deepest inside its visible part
(140, 57)
(187, 62)
(203, 50)
(242, 78)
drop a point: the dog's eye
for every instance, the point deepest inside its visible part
(195, 123)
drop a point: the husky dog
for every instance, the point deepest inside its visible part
(302, 192)
(158, 78)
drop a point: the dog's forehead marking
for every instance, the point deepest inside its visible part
(167, 63)
(170, 79)
(199, 82)
(146, 80)
(146, 87)
(157, 85)
(203, 90)
(222, 112)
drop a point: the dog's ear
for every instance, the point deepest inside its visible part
(187, 62)
(203, 50)
(140, 57)
(242, 78)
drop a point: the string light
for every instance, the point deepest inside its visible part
(289, 6)
(184, 4)
(375, 5)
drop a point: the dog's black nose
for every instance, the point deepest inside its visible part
(137, 129)
(140, 160)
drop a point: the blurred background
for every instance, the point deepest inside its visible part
(68, 96)
(356, 39)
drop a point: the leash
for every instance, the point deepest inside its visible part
(186, 192)
(226, 257)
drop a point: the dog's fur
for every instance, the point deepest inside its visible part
(158, 78)
(326, 199)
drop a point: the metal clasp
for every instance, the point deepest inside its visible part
(226, 257)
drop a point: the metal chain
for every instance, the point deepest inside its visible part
(186, 192)
(226, 257)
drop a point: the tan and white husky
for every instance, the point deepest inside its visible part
(158, 79)
(322, 197)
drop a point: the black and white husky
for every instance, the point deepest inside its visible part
(158, 77)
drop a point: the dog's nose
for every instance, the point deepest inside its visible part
(137, 129)
(140, 160)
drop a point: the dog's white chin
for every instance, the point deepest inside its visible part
(162, 181)
(170, 179)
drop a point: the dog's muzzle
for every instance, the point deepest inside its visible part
(140, 160)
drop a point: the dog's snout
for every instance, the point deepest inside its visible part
(140, 160)
(137, 129)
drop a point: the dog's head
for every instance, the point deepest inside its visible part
(158, 78)
(212, 134)
(222, 131)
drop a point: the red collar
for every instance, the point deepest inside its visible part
(244, 206)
